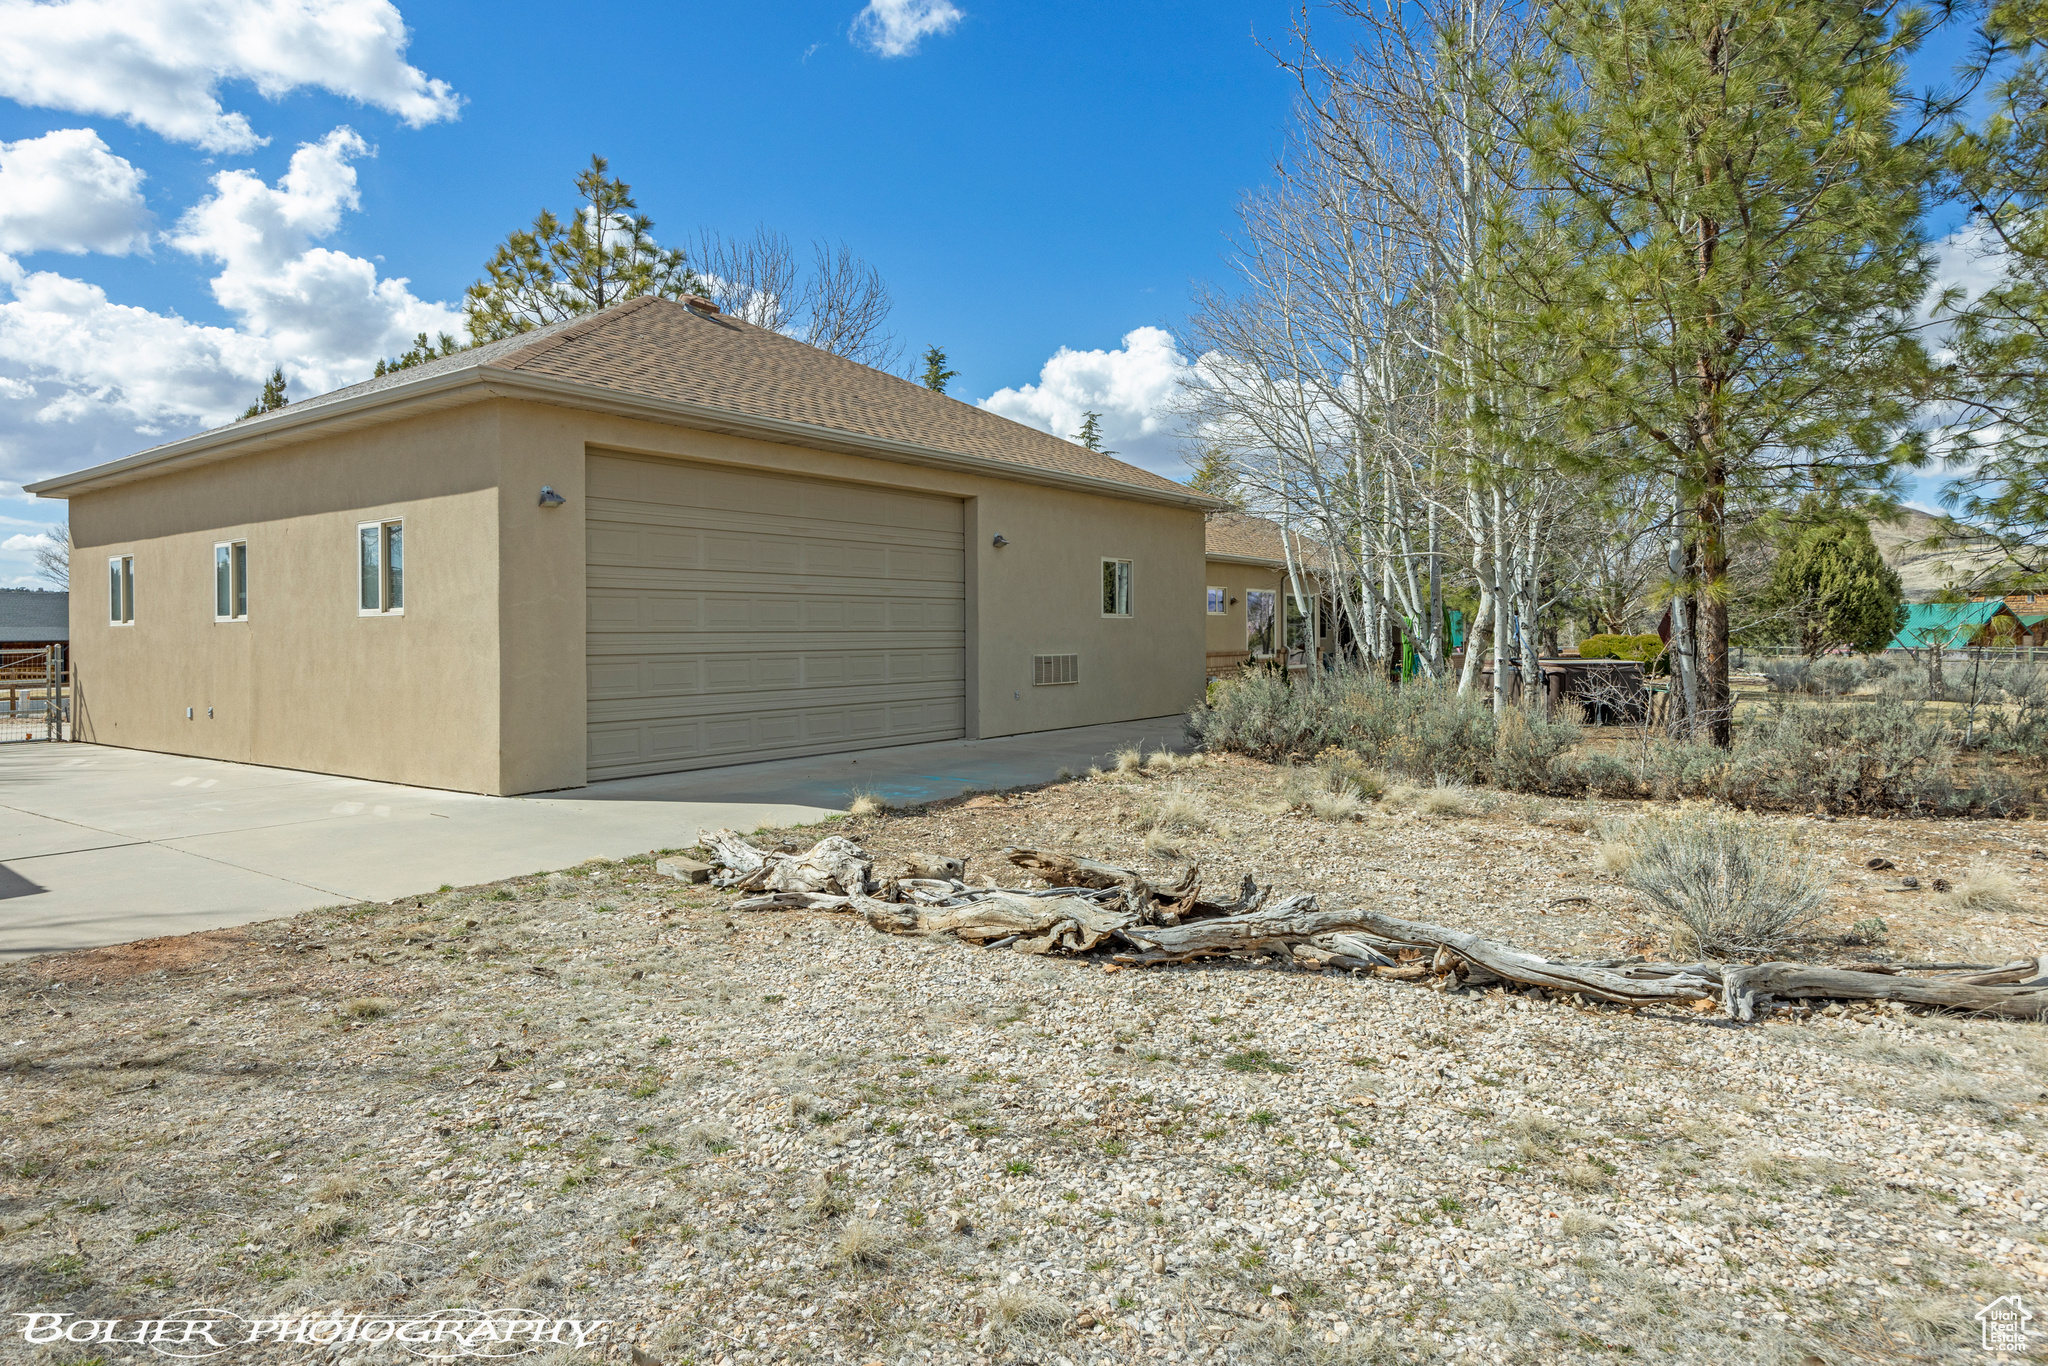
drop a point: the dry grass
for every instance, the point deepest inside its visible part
(1337, 806)
(1180, 811)
(367, 1007)
(1159, 844)
(1580, 1223)
(1027, 1309)
(1984, 888)
(1446, 799)
(1130, 761)
(865, 1246)
(866, 804)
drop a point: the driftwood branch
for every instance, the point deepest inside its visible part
(1092, 907)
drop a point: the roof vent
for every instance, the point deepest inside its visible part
(700, 305)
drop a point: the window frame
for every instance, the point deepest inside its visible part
(1116, 587)
(1272, 629)
(382, 528)
(120, 590)
(1218, 601)
(234, 589)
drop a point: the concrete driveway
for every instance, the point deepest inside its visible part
(103, 846)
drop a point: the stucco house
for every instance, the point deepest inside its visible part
(650, 539)
(1251, 611)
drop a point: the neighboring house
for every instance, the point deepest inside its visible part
(1954, 626)
(33, 618)
(650, 539)
(1248, 600)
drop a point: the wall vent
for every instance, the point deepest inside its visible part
(1050, 669)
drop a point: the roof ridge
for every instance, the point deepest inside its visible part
(583, 326)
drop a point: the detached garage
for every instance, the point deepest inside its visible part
(648, 540)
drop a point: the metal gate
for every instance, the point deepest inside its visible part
(36, 688)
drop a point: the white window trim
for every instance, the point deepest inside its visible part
(383, 567)
(229, 546)
(1129, 585)
(1212, 591)
(124, 566)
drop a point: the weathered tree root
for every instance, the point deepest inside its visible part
(1097, 908)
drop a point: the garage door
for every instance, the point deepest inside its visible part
(738, 616)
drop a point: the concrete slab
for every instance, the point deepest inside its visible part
(103, 846)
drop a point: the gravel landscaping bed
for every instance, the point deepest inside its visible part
(784, 1136)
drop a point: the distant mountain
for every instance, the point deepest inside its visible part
(1924, 571)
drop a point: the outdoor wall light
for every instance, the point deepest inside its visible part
(549, 498)
(1000, 541)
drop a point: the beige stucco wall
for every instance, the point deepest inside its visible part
(305, 682)
(480, 686)
(1039, 594)
(1226, 632)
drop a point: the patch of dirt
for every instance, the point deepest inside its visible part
(784, 1136)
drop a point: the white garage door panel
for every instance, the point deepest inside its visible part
(735, 615)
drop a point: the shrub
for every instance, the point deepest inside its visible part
(1418, 730)
(1787, 675)
(1642, 649)
(1885, 754)
(1724, 884)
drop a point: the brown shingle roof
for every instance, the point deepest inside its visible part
(661, 349)
(1245, 537)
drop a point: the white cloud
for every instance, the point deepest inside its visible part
(29, 543)
(1135, 388)
(160, 63)
(67, 191)
(325, 310)
(82, 377)
(895, 27)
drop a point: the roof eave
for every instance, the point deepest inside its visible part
(478, 383)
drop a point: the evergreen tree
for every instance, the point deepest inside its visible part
(1833, 585)
(273, 396)
(1720, 274)
(604, 255)
(2000, 340)
(935, 372)
(421, 352)
(1215, 475)
(1090, 434)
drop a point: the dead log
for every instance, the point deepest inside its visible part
(1071, 870)
(1292, 919)
(1748, 988)
(1036, 924)
(793, 901)
(935, 866)
(834, 864)
(1514, 965)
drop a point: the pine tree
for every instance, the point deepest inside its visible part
(1834, 586)
(273, 396)
(935, 372)
(421, 352)
(2000, 339)
(1090, 434)
(1216, 475)
(1720, 275)
(605, 255)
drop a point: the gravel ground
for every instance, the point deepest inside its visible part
(787, 1137)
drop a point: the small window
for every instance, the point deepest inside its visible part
(1116, 588)
(121, 590)
(1218, 602)
(381, 559)
(231, 581)
(1259, 634)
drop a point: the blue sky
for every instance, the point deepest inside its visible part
(1030, 179)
